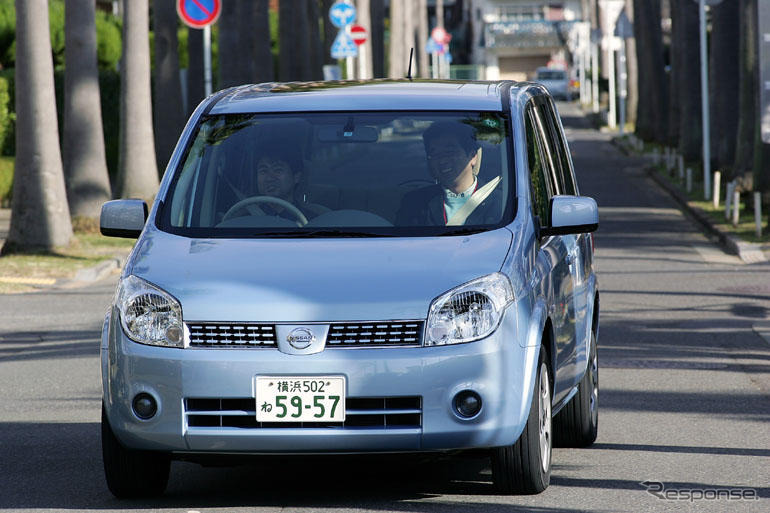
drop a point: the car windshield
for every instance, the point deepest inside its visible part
(342, 174)
(551, 75)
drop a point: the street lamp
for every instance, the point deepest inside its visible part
(704, 95)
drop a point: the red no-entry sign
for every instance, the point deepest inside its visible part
(198, 13)
(358, 34)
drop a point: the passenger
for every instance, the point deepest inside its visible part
(454, 160)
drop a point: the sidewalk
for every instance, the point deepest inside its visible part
(77, 278)
(748, 252)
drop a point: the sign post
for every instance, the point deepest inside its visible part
(342, 15)
(358, 34)
(200, 14)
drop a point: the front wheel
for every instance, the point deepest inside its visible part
(577, 424)
(525, 466)
(130, 473)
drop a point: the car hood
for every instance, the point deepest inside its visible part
(306, 280)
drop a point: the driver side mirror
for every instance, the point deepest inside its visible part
(123, 218)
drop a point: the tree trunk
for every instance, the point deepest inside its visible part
(422, 38)
(40, 217)
(747, 78)
(378, 38)
(329, 32)
(168, 109)
(632, 69)
(675, 78)
(263, 56)
(235, 28)
(137, 168)
(294, 63)
(397, 38)
(652, 113)
(724, 68)
(689, 89)
(85, 164)
(196, 89)
(364, 18)
(315, 45)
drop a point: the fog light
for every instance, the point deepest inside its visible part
(144, 406)
(467, 404)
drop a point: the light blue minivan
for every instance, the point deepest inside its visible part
(356, 267)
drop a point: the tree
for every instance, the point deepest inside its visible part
(397, 38)
(235, 67)
(295, 55)
(652, 113)
(169, 113)
(40, 217)
(747, 78)
(137, 168)
(689, 89)
(364, 18)
(195, 78)
(632, 68)
(422, 38)
(263, 56)
(314, 45)
(85, 164)
(724, 68)
(378, 38)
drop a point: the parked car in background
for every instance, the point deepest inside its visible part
(363, 267)
(557, 81)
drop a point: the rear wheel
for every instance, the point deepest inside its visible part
(525, 466)
(130, 473)
(577, 424)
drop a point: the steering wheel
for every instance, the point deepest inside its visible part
(297, 213)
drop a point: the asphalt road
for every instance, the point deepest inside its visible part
(684, 401)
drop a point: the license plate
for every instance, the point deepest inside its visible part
(300, 398)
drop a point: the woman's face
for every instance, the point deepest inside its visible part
(276, 178)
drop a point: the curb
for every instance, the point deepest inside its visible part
(91, 274)
(748, 252)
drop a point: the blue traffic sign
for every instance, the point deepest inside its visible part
(198, 13)
(432, 46)
(344, 46)
(342, 14)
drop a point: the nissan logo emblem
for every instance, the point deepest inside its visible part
(300, 338)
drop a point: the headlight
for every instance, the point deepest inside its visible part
(148, 314)
(470, 311)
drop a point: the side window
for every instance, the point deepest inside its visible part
(536, 153)
(563, 162)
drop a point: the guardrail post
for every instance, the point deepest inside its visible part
(736, 207)
(717, 186)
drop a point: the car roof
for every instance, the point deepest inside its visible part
(361, 95)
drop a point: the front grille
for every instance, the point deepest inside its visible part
(360, 413)
(348, 334)
(231, 335)
(375, 334)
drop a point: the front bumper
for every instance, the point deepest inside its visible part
(498, 368)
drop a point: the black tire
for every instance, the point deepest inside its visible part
(525, 466)
(132, 474)
(577, 424)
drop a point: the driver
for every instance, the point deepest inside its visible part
(279, 173)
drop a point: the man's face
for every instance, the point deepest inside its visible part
(448, 161)
(276, 178)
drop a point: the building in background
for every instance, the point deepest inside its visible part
(512, 38)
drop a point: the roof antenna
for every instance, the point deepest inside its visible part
(409, 72)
